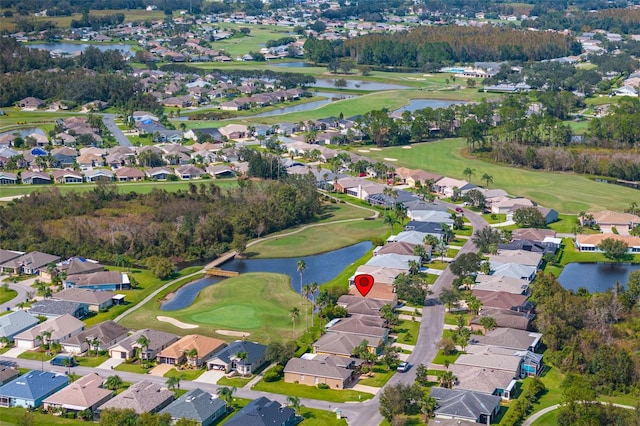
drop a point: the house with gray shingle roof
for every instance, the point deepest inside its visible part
(95, 300)
(509, 338)
(61, 328)
(141, 397)
(228, 360)
(7, 374)
(158, 340)
(56, 308)
(263, 412)
(196, 405)
(15, 323)
(103, 335)
(340, 344)
(29, 263)
(311, 370)
(465, 405)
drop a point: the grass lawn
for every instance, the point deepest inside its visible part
(7, 294)
(236, 405)
(303, 391)
(184, 374)
(237, 382)
(570, 255)
(565, 192)
(316, 417)
(431, 278)
(35, 356)
(139, 187)
(466, 231)
(499, 218)
(91, 361)
(257, 303)
(437, 264)
(565, 223)
(550, 418)
(407, 331)
(131, 368)
(440, 358)
(380, 376)
(452, 319)
(18, 415)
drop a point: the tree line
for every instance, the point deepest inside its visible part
(199, 223)
(622, 20)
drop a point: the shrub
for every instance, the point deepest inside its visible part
(323, 386)
(271, 376)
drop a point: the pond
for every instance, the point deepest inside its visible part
(416, 104)
(24, 132)
(359, 84)
(595, 277)
(71, 48)
(329, 97)
(295, 64)
(320, 268)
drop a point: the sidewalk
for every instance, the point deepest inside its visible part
(258, 377)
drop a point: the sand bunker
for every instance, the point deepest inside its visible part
(390, 159)
(176, 322)
(233, 333)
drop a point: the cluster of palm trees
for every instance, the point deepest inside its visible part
(308, 294)
(469, 172)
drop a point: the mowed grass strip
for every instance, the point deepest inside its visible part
(257, 303)
(565, 192)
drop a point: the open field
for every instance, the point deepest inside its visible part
(257, 303)
(139, 187)
(256, 39)
(565, 192)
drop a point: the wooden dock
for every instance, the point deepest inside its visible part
(217, 272)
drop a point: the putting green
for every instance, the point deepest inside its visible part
(232, 316)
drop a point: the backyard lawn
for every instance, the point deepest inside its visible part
(256, 303)
(91, 361)
(565, 192)
(312, 392)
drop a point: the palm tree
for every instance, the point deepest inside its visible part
(113, 382)
(293, 314)
(414, 267)
(4, 341)
(192, 356)
(306, 291)
(294, 402)
(392, 220)
(469, 172)
(301, 266)
(226, 394)
(67, 363)
(143, 341)
(46, 337)
(428, 405)
(173, 382)
(487, 178)
(314, 290)
(242, 357)
(447, 379)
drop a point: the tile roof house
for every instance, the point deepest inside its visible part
(402, 248)
(509, 338)
(141, 397)
(339, 344)
(7, 374)
(533, 234)
(486, 380)
(501, 283)
(465, 405)
(504, 318)
(31, 388)
(608, 218)
(55, 308)
(326, 369)
(85, 393)
(357, 325)
(176, 353)
(67, 176)
(188, 172)
(15, 323)
(264, 412)
(361, 305)
(380, 274)
(106, 280)
(94, 300)
(102, 335)
(591, 242)
(61, 328)
(196, 405)
(504, 300)
(227, 359)
(129, 174)
(158, 340)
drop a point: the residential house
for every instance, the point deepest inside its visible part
(504, 300)
(507, 204)
(159, 173)
(61, 328)
(428, 215)
(227, 359)
(234, 131)
(95, 301)
(532, 234)
(395, 261)
(421, 177)
(550, 215)
(129, 174)
(56, 308)
(197, 405)
(221, 171)
(7, 178)
(30, 103)
(608, 219)
(339, 344)
(141, 397)
(459, 404)
(509, 338)
(86, 393)
(513, 270)
(378, 291)
(127, 347)
(505, 318)
(67, 176)
(264, 412)
(412, 237)
(490, 381)
(101, 281)
(64, 157)
(7, 374)
(29, 263)
(188, 172)
(98, 175)
(101, 336)
(78, 265)
(447, 186)
(178, 352)
(357, 325)
(15, 323)
(529, 245)
(431, 228)
(333, 371)
(388, 201)
(8, 255)
(358, 305)
(89, 160)
(529, 363)
(30, 389)
(381, 275)
(591, 242)
(36, 178)
(501, 283)
(523, 257)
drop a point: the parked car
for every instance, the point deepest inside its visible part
(459, 209)
(403, 367)
(61, 361)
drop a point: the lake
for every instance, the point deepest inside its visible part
(595, 277)
(72, 48)
(24, 132)
(295, 64)
(359, 84)
(321, 268)
(329, 97)
(416, 104)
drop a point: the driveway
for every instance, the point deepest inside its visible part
(210, 376)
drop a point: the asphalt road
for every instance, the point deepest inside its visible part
(22, 287)
(431, 327)
(110, 124)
